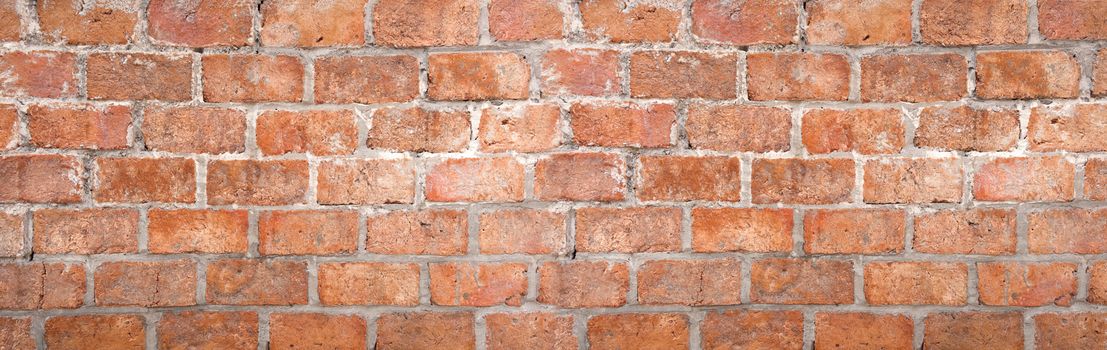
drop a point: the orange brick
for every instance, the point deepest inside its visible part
(142, 180)
(752, 329)
(46, 74)
(200, 23)
(368, 283)
(40, 178)
(252, 78)
(965, 128)
(798, 76)
(1048, 178)
(39, 285)
(913, 180)
(690, 282)
(580, 177)
(1012, 75)
(85, 231)
(854, 231)
(530, 330)
(741, 230)
(1026, 284)
(222, 330)
(194, 129)
(524, 20)
(686, 178)
(520, 128)
(581, 283)
(913, 77)
(1057, 331)
(628, 230)
(1072, 20)
(801, 281)
(307, 232)
(1067, 230)
(916, 283)
(802, 181)
(988, 22)
(1095, 179)
(77, 22)
(1071, 128)
(1099, 77)
(589, 72)
(139, 76)
(12, 242)
(366, 79)
(478, 284)
(317, 331)
(16, 331)
(1097, 282)
(972, 231)
(299, 23)
(9, 31)
(477, 76)
(426, 330)
(406, 23)
(683, 74)
(855, 330)
(257, 282)
(866, 131)
(428, 232)
(628, 22)
(416, 129)
(366, 181)
(146, 284)
(623, 124)
(79, 126)
(523, 231)
(745, 22)
(638, 331)
(90, 332)
(9, 127)
(475, 180)
(317, 132)
(842, 22)
(740, 128)
(973, 330)
(257, 182)
(174, 231)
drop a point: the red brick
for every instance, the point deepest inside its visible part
(1095, 179)
(741, 230)
(85, 231)
(623, 124)
(316, 132)
(523, 231)
(1099, 77)
(316, 331)
(738, 128)
(531, 330)
(1056, 331)
(802, 181)
(628, 22)
(428, 232)
(12, 242)
(46, 74)
(580, 177)
(1067, 230)
(197, 231)
(683, 74)
(222, 330)
(1047, 178)
(972, 231)
(913, 77)
(194, 129)
(1012, 75)
(146, 284)
(965, 128)
(406, 23)
(581, 283)
(745, 22)
(257, 182)
(798, 76)
(520, 128)
(9, 126)
(855, 330)
(1097, 282)
(39, 285)
(416, 129)
(366, 181)
(628, 230)
(426, 330)
(801, 281)
(309, 23)
(987, 22)
(91, 332)
(257, 282)
(16, 331)
(854, 231)
(143, 180)
(368, 283)
(686, 178)
(252, 78)
(1072, 20)
(139, 76)
(1071, 128)
(916, 283)
(589, 72)
(79, 126)
(913, 180)
(973, 330)
(41, 178)
(867, 131)
(475, 180)
(690, 282)
(9, 31)
(366, 79)
(842, 22)
(200, 23)
(1026, 284)
(752, 329)
(478, 284)
(79, 22)
(477, 76)
(307, 232)
(524, 20)
(638, 331)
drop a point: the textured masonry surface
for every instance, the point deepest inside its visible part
(528, 174)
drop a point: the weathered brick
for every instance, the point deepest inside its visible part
(143, 180)
(222, 330)
(913, 180)
(802, 181)
(1097, 282)
(1026, 284)
(1071, 128)
(1013, 75)
(366, 181)
(1072, 20)
(475, 180)
(478, 284)
(47, 74)
(628, 22)
(973, 330)
(852, 23)
(1095, 179)
(1049, 178)
(317, 331)
(368, 283)
(139, 76)
(90, 332)
(477, 76)
(856, 330)
(1057, 331)
(428, 232)
(316, 132)
(913, 77)
(916, 283)
(194, 129)
(1099, 77)
(15, 332)
(366, 79)
(798, 76)
(972, 231)
(987, 22)
(146, 284)
(12, 242)
(683, 74)
(523, 231)
(690, 282)
(801, 281)
(582, 283)
(638, 331)
(854, 231)
(589, 72)
(686, 178)
(741, 230)
(580, 177)
(85, 231)
(745, 22)
(257, 282)
(965, 128)
(628, 230)
(1067, 230)
(741, 128)
(520, 128)
(525, 20)
(530, 330)
(866, 131)
(80, 22)
(200, 23)
(416, 129)
(9, 31)
(426, 330)
(9, 126)
(307, 232)
(40, 178)
(752, 329)
(623, 124)
(42, 286)
(252, 78)
(309, 23)
(79, 126)
(197, 231)
(406, 23)
(257, 182)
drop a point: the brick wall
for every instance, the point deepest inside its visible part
(508, 174)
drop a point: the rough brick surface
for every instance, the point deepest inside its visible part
(682, 74)
(365, 181)
(477, 76)
(78, 22)
(139, 76)
(980, 330)
(989, 22)
(200, 23)
(368, 283)
(148, 284)
(862, 331)
(623, 125)
(522, 231)
(741, 229)
(42, 286)
(292, 23)
(197, 231)
(690, 282)
(426, 330)
(801, 281)
(194, 130)
(530, 330)
(913, 180)
(973, 231)
(307, 232)
(1013, 75)
(965, 128)
(745, 22)
(583, 283)
(96, 332)
(257, 282)
(843, 22)
(252, 78)
(854, 231)
(1026, 284)
(530, 128)
(638, 331)
(1024, 179)
(627, 22)
(798, 76)
(581, 72)
(316, 331)
(916, 283)
(419, 130)
(366, 79)
(802, 181)
(222, 330)
(738, 128)
(85, 231)
(648, 229)
(84, 126)
(435, 232)
(478, 284)
(913, 78)
(866, 131)
(737, 329)
(39, 74)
